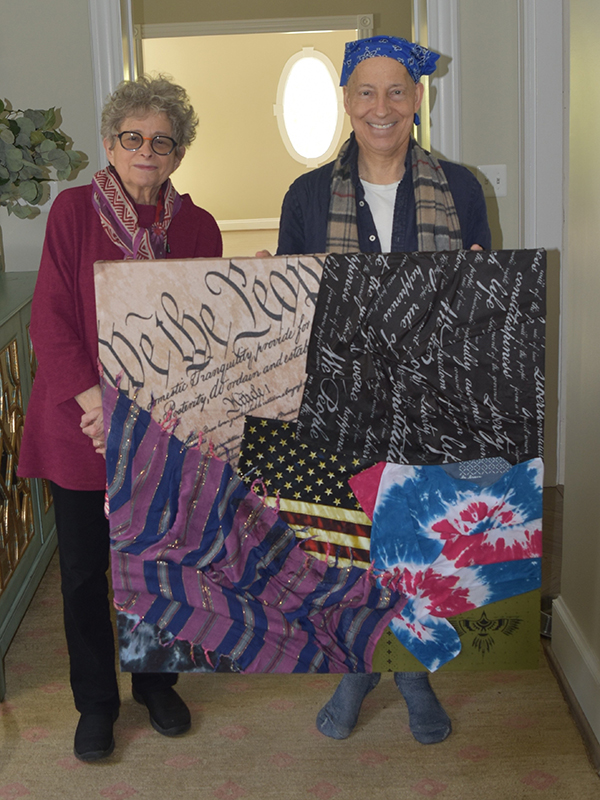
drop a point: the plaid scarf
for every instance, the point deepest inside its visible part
(119, 217)
(438, 227)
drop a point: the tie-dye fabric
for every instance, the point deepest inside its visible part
(450, 545)
(206, 562)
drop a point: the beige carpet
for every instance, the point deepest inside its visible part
(254, 737)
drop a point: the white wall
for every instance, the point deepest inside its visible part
(576, 626)
(489, 69)
(504, 91)
(45, 61)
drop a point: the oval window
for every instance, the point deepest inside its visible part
(309, 107)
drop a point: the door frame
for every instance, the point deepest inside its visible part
(542, 140)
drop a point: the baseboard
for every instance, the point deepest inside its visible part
(10, 624)
(578, 672)
(587, 734)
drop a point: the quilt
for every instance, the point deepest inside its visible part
(237, 547)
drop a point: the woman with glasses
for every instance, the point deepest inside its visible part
(130, 211)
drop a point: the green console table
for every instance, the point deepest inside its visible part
(27, 530)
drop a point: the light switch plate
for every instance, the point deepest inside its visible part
(493, 179)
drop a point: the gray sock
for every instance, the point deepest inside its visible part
(428, 721)
(338, 717)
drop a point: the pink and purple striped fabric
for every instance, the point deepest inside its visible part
(204, 561)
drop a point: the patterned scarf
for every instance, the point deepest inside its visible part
(119, 217)
(438, 227)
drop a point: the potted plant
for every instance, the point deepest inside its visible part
(33, 151)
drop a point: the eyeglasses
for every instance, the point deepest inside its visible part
(161, 145)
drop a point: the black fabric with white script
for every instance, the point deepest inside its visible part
(425, 358)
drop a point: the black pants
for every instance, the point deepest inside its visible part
(83, 548)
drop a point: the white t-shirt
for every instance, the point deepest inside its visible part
(381, 199)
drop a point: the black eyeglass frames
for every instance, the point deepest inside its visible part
(161, 145)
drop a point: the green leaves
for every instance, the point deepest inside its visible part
(26, 128)
(76, 157)
(7, 135)
(46, 145)
(37, 117)
(59, 159)
(11, 157)
(30, 191)
(33, 151)
(49, 120)
(37, 137)
(23, 212)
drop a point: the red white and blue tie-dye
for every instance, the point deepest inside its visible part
(450, 545)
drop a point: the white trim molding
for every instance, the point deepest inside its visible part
(436, 25)
(542, 151)
(542, 111)
(363, 23)
(443, 36)
(128, 39)
(261, 224)
(107, 55)
(578, 662)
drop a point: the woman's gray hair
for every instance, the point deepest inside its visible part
(146, 95)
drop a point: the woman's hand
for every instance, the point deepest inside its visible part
(92, 422)
(476, 247)
(263, 254)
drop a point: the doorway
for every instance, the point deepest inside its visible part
(239, 167)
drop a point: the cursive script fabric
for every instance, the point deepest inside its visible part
(201, 344)
(425, 358)
(450, 545)
(205, 561)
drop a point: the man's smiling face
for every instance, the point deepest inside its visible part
(381, 100)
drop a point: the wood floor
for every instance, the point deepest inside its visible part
(254, 737)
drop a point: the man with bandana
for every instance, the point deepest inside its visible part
(384, 193)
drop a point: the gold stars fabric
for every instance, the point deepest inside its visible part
(310, 487)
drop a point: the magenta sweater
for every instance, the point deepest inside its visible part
(64, 335)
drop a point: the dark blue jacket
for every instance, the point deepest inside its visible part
(303, 224)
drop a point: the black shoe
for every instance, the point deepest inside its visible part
(169, 715)
(94, 737)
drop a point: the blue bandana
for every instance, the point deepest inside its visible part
(417, 60)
